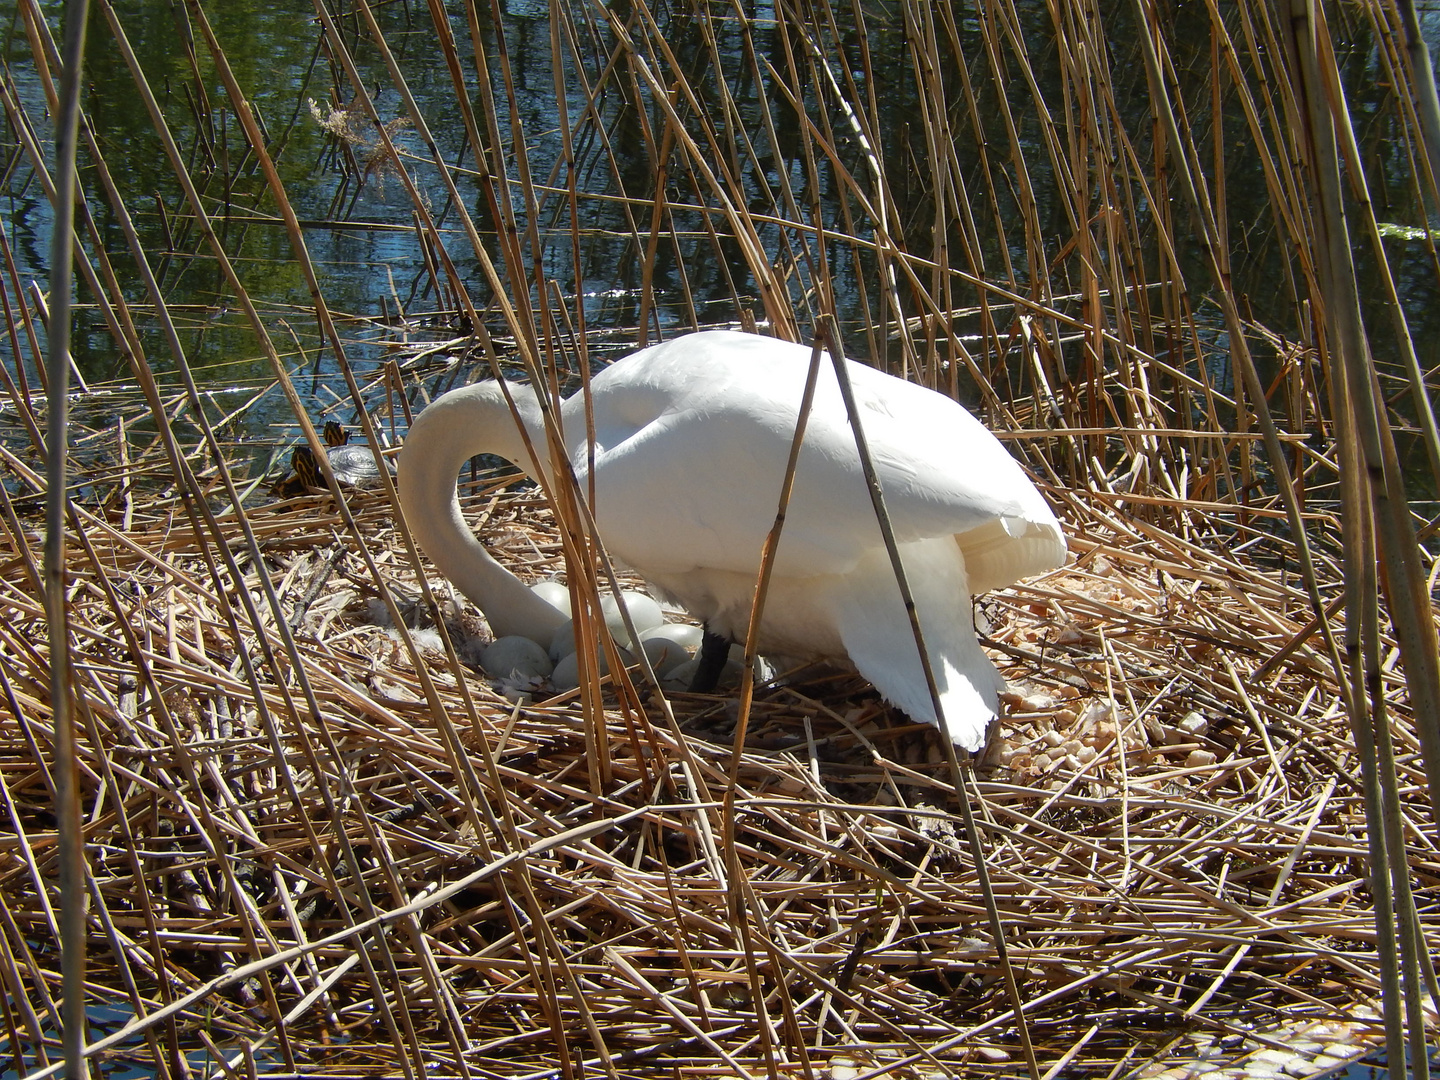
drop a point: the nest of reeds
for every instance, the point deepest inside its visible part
(334, 845)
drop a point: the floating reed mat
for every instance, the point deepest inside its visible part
(315, 848)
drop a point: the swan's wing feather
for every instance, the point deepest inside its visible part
(950, 474)
(875, 629)
(692, 443)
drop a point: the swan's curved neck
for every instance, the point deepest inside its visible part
(452, 430)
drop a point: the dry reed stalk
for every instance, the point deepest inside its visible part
(1178, 866)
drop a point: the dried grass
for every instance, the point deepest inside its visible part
(1158, 874)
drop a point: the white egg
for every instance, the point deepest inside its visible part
(554, 593)
(679, 678)
(562, 644)
(515, 657)
(644, 613)
(566, 675)
(669, 645)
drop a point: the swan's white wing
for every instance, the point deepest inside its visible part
(876, 632)
(692, 438)
(942, 471)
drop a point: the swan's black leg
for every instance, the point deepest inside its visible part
(714, 650)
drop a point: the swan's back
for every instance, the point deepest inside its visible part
(695, 433)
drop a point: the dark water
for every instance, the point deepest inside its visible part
(360, 222)
(1373, 1067)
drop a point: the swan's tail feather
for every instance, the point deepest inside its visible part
(1004, 550)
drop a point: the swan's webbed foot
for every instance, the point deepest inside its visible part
(714, 651)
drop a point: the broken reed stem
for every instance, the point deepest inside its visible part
(829, 334)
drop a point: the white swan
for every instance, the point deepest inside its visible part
(691, 439)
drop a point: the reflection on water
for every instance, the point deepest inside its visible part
(589, 143)
(1373, 1068)
(129, 1061)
